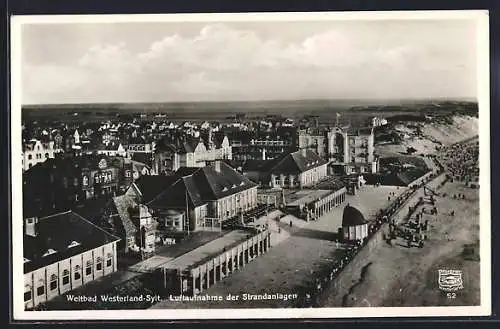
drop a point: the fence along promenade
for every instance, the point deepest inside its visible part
(320, 286)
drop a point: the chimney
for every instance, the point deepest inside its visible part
(30, 226)
(217, 166)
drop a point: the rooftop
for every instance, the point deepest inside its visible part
(61, 236)
(352, 217)
(296, 162)
(199, 185)
(201, 254)
(307, 196)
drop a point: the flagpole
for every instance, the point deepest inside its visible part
(187, 212)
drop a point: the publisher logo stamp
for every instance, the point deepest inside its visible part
(450, 280)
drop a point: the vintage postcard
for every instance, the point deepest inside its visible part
(228, 166)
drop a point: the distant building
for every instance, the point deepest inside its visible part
(36, 151)
(263, 145)
(377, 122)
(61, 253)
(313, 139)
(352, 150)
(354, 225)
(190, 152)
(112, 150)
(138, 145)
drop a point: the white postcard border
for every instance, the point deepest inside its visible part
(197, 314)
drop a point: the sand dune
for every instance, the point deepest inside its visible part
(425, 136)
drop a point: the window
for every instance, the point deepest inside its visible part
(85, 181)
(127, 173)
(30, 165)
(97, 179)
(49, 252)
(75, 181)
(46, 155)
(65, 277)
(40, 291)
(73, 244)
(99, 264)
(77, 274)
(30, 157)
(53, 282)
(27, 293)
(88, 268)
(109, 260)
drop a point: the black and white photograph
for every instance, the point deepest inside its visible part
(251, 165)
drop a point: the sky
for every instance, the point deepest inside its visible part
(241, 61)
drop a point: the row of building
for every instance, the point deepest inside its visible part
(348, 150)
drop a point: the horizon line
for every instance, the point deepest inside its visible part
(353, 100)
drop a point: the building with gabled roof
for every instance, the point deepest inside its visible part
(294, 170)
(174, 152)
(214, 191)
(62, 252)
(37, 151)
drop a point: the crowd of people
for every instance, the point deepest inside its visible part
(461, 161)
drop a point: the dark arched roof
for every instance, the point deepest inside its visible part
(352, 217)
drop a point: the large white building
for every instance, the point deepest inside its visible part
(352, 150)
(36, 151)
(296, 170)
(63, 252)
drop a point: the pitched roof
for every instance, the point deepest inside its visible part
(144, 158)
(151, 186)
(218, 184)
(295, 162)
(199, 185)
(57, 232)
(218, 138)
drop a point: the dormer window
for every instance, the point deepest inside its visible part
(224, 189)
(234, 186)
(26, 260)
(49, 252)
(242, 183)
(73, 244)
